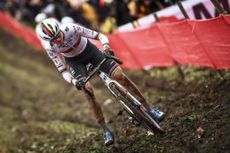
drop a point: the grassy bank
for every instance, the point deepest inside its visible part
(41, 113)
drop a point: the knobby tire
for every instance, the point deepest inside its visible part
(138, 114)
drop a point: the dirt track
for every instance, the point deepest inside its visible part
(39, 112)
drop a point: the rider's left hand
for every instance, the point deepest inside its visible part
(108, 52)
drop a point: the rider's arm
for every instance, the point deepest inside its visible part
(88, 33)
(60, 65)
(57, 60)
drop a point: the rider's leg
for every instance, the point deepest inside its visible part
(119, 75)
(96, 110)
(94, 106)
(78, 70)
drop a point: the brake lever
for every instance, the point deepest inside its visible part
(116, 59)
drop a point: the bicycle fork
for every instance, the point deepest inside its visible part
(121, 93)
(110, 84)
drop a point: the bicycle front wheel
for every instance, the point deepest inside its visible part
(138, 112)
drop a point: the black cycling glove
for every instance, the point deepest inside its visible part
(108, 52)
(80, 84)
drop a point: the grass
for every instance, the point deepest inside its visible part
(41, 113)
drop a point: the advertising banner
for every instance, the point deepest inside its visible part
(190, 42)
(196, 9)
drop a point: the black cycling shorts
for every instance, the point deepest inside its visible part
(91, 55)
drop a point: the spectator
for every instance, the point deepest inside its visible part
(2, 4)
(90, 14)
(75, 11)
(39, 17)
(103, 15)
(121, 12)
(137, 8)
(108, 26)
(67, 19)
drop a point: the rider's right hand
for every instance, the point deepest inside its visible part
(79, 84)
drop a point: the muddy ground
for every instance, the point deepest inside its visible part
(41, 113)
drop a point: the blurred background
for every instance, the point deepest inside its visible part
(101, 15)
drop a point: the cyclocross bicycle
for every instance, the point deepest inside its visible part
(130, 104)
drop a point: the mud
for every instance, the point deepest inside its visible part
(39, 112)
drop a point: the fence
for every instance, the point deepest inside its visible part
(195, 42)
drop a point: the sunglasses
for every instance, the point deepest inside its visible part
(57, 39)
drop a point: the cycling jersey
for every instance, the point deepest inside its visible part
(74, 43)
(92, 55)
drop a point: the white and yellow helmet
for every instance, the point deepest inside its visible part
(48, 29)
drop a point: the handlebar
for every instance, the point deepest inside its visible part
(116, 59)
(95, 70)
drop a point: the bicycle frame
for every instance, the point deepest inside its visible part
(109, 82)
(118, 91)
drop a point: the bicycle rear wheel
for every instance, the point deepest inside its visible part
(137, 112)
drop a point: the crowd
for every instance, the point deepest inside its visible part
(100, 15)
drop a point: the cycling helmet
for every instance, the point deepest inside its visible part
(48, 29)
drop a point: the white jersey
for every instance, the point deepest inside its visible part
(75, 41)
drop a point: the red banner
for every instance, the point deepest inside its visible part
(198, 42)
(184, 47)
(214, 37)
(12, 26)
